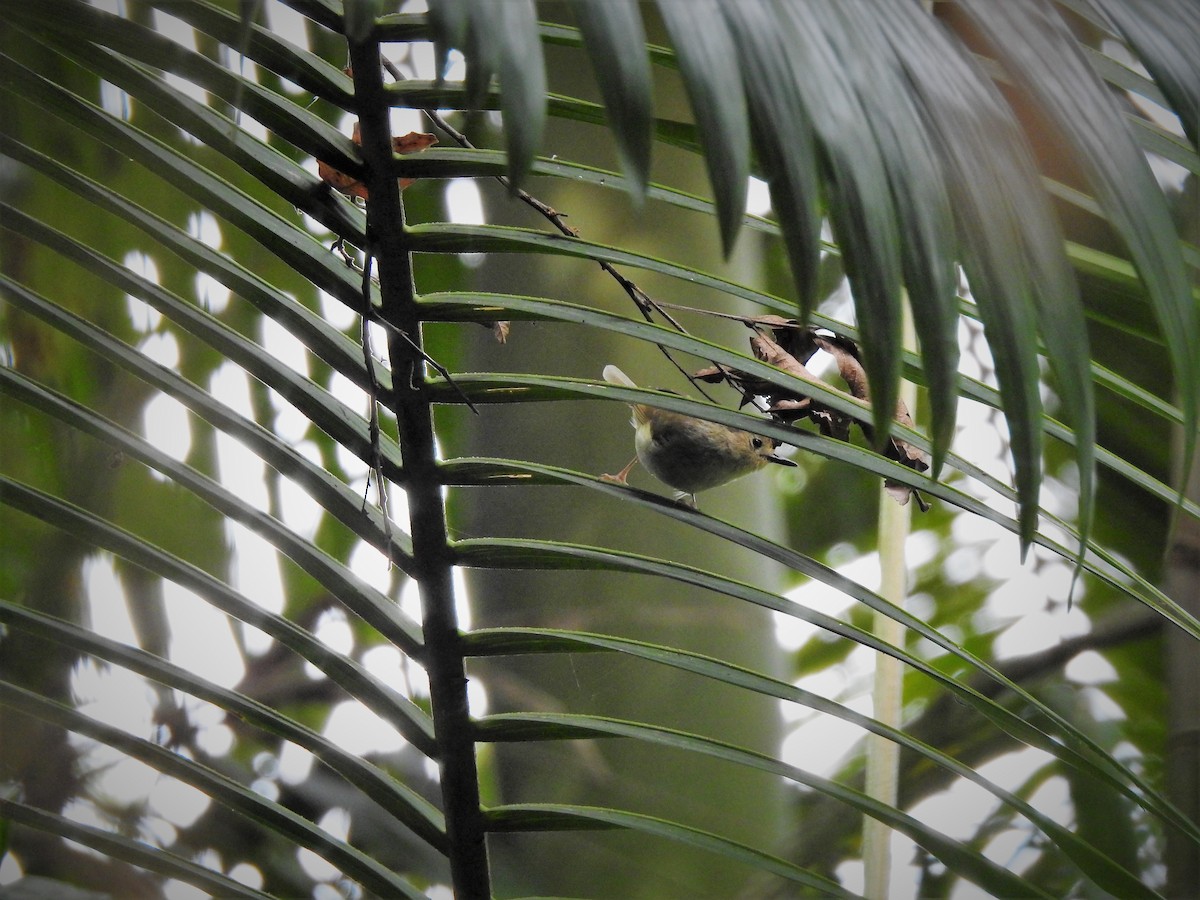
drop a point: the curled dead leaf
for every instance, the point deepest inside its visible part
(789, 346)
(340, 181)
(413, 142)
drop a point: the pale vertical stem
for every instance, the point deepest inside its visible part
(883, 756)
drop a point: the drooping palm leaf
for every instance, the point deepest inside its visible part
(869, 116)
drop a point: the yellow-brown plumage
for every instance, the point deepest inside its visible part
(691, 454)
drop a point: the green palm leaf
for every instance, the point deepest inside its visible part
(625, 646)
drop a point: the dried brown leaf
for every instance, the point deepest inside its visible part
(413, 142)
(789, 407)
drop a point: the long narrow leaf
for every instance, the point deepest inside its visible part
(784, 142)
(81, 28)
(522, 71)
(1102, 564)
(298, 249)
(411, 721)
(535, 726)
(922, 206)
(512, 388)
(1079, 750)
(467, 306)
(503, 39)
(559, 817)
(615, 41)
(1028, 35)
(404, 804)
(270, 50)
(971, 128)
(334, 496)
(356, 595)
(153, 859)
(448, 20)
(435, 163)
(350, 860)
(318, 405)
(1159, 33)
(419, 94)
(712, 78)
(859, 199)
(329, 345)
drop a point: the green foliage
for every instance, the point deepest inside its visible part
(164, 234)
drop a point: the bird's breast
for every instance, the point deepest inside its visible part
(692, 455)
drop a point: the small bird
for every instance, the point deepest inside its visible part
(690, 454)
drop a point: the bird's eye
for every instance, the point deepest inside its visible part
(756, 443)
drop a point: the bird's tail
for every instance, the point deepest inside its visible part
(613, 375)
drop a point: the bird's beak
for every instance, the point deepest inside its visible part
(780, 461)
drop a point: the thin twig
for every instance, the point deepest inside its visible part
(368, 314)
(646, 304)
(748, 320)
(437, 366)
(376, 462)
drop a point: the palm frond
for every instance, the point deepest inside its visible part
(900, 148)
